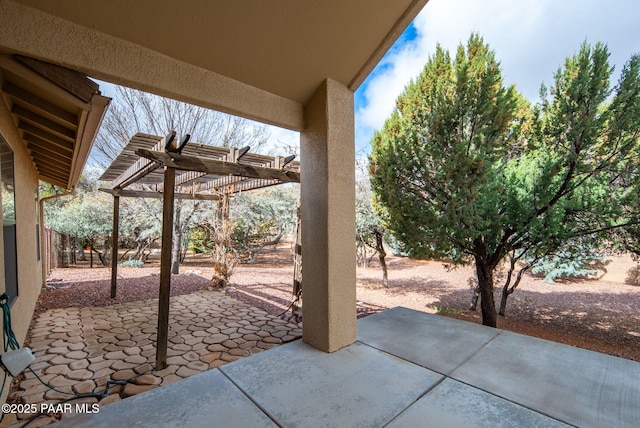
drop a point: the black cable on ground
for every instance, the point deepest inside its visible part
(49, 386)
(288, 309)
(10, 341)
(77, 397)
(104, 394)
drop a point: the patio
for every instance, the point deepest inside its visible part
(78, 350)
(407, 368)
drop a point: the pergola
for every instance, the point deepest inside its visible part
(205, 173)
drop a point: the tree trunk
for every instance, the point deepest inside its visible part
(503, 299)
(177, 239)
(474, 299)
(81, 255)
(106, 252)
(485, 284)
(183, 253)
(175, 252)
(382, 255)
(72, 252)
(102, 258)
(506, 291)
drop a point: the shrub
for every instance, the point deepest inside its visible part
(633, 276)
(132, 263)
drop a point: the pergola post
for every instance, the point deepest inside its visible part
(165, 268)
(114, 245)
(327, 197)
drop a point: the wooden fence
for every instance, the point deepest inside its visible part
(60, 250)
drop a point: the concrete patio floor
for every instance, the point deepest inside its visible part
(407, 369)
(78, 350)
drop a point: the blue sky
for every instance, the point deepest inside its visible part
(531, 39)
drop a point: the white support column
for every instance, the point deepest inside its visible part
(328, 218)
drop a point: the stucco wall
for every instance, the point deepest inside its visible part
(29, 268)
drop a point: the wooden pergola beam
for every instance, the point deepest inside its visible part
(158, 195)
(230, 185)
(138, 169)
(234, 155)
(245, 186)
(216, 184)
(234, 184)
(217, 167)
(185, 178)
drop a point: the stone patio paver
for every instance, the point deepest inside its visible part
(80, 349)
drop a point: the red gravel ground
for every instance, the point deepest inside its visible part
(601, 315)
(81, 286)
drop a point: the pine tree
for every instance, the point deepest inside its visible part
(465, 169)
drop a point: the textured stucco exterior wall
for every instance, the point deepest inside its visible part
(29, 268)
(327, 195)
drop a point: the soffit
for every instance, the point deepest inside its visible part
(57, 112)
(285, 47)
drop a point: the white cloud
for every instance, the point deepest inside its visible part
(516, 31)
(282, 142)
(377, 97)
(531, 39)
(383, 89)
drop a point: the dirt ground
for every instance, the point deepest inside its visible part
(598, 314)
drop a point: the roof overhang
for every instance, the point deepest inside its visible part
(57, 112)
(258, 59)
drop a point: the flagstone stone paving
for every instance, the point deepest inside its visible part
(78, 350)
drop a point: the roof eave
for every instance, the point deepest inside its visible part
(89, 126)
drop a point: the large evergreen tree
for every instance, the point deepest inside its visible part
(465, 169)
